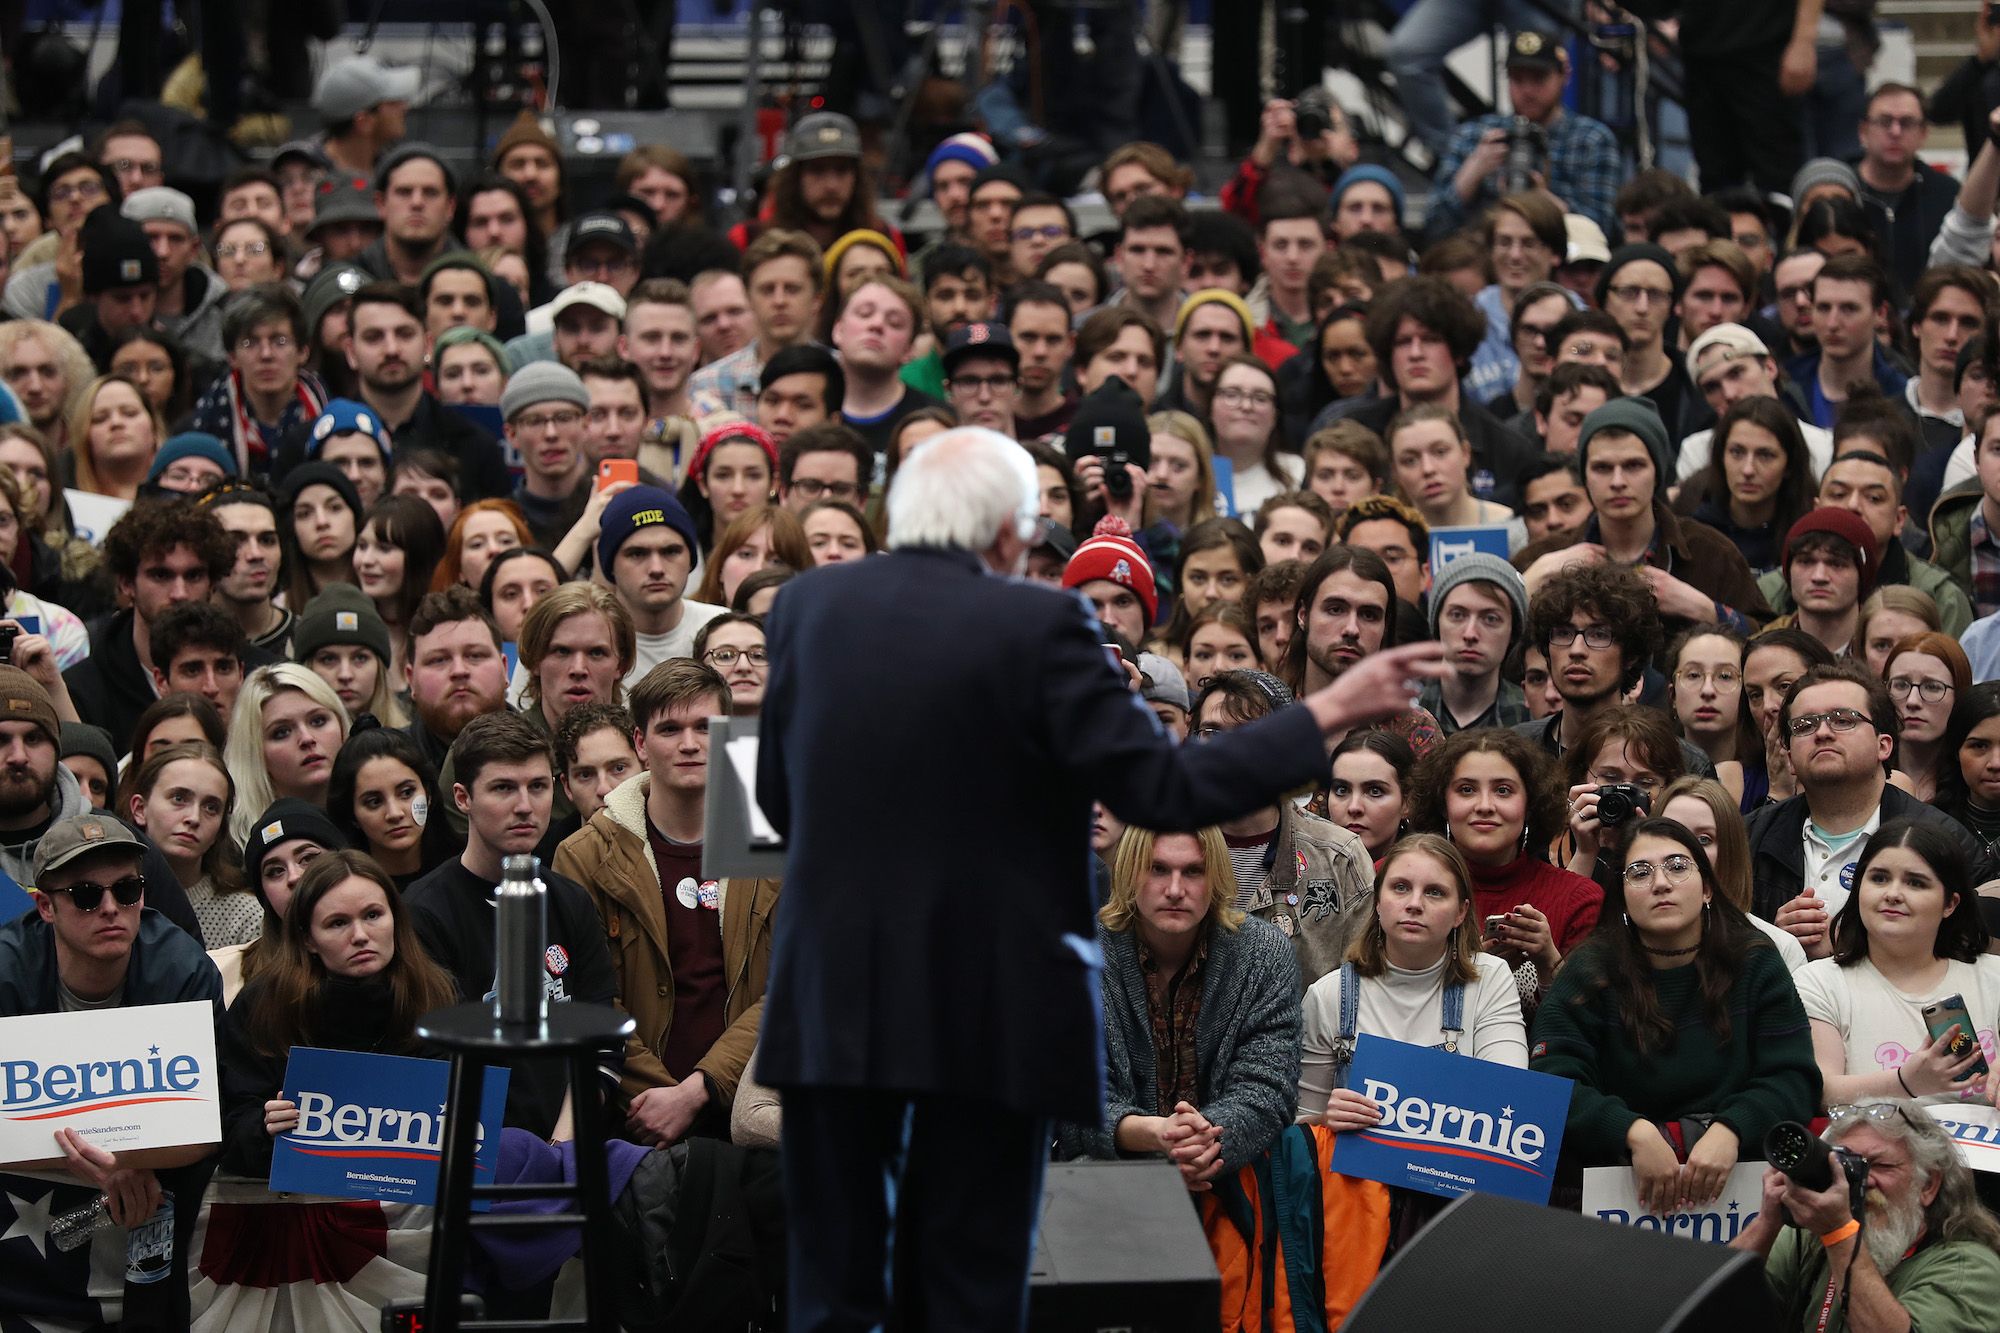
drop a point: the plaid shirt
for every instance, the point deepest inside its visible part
(1584, 169)
(1174, 1006)
(728, 384)
(1985, 564)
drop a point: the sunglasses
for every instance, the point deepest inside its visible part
(88, 897)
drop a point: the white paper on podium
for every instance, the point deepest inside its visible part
(743, 758)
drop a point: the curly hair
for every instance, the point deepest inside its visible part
(1648, 734)
(1434, 772)
(1432, 302)
(1616, 595)
(154, 527)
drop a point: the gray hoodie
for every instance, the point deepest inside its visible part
(164, 893)
(18, 858)
(199, 327)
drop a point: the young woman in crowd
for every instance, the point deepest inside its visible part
(1217, 560)
(1705, 808)
(1415, 975)
(1705, 680)
(1181, 480)
(1492, 794)
(1776, 658)
(910, 432)
(283, 734)
(344, 640)
(758, 591)
(1758, 482)
(116, 432)
(400, 540)
(1628, 745)
(1369, 794)
(1343, 365)
(1293, 525)
(482, 530)
(471, 366)
(1927, 674)
(432, 476)
(384, 797)
(22, 548)
(1431, 460)
(1834, 227)
(1219, 637)
(1908, 936)
(733, 644)
(173, 719)
(154, 360)
(733, 470)
(1973, 798)
(248, 254)
(515, 579)
(1891, 614)
(1074, 269)
(1054, 482)
(286, 839)
(836, 533)
(181, 799)
(1676, 1014)
(319, 520)
(72, 570)
(1244, 411)
(754, 538)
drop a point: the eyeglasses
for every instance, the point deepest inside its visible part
(1840, 719)
(1236, 397)
(1634, 292)
(1692, 678)
(974, 385)
(1594, 636)
(88, 897)
(812, 488)
(1930, 691)
(1877, 1111)
(1053, 231)
(1906, 124)
(277, 342)
(726, 657)
(1674, 869)
(125, 166)
(90, 188)
(528, 423)
(244, 250)
(602, 264)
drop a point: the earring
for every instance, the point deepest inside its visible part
(1451, 942)
(1447, 834)
(1626, 918)
(1524, 837)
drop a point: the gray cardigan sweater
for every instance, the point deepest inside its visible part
(1246, 1042)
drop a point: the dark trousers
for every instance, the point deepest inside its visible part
(1301, 58)
(1741, 127)
(951, 1187)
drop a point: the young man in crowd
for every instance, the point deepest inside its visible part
(416, 194)
(1306, 875)
(1906, 198)
(692, 953)
(958, 289)
(1525, 240)
(1849, 298)
(505, 787)
(455, 670)
(1565, 399)
(1640, 288)
(1211, 327)
(594, 754)
(121, 285)
(1829, 563)
(161, 555)
(456, 291)
(544, 408)
(1792, 283)
(199, 648)
(1040, 223)
(249, 589)
(829, 461)
(189, 302)
(1151, 256)
(1552, 499)
(1838, 726)
(1864, 481)
(1718, 286)
(1479, 611)
(873, 332)
(786, 283)
(1039, 323)
(365, 104)
(662, 339)
(1113, 574)
(1345, 612)
(133, 156)
(386, 352)
(1291, 236)
(587, 321)
(1395, 531)
(1950, 305)
(722, 317)
(265, 407)
(982, 377)
(614, 425)
(989, 222)
(1121, 341)
(645, 547)
(802, 387)
(1274, 591)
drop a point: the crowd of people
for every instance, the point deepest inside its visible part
(388, 523)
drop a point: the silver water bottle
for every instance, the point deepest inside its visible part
(521, 995)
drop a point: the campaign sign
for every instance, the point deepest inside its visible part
(124, 1078)
(1453, 1125)
(1448, 544)
(1609, 1196)
(372, 1126)
(1975, 1128)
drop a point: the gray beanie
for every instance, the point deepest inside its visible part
(1641, 418)
(542, 382)
(1825, 171)
(1163, 682)
(1479, 567)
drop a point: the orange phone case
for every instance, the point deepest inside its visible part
(617, 469)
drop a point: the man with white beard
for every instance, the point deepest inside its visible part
(1923, 1254)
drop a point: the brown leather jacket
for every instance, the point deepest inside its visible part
(613, 860)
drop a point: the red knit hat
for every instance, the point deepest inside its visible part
(1849, 527)
(1112, 555)
(748, 431)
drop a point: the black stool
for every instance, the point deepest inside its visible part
(476, 1039)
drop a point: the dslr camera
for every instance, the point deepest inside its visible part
(1618, 802)
(1527, 154)
(1312, 111)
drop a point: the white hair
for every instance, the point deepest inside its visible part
(243, 752)
(959, 488)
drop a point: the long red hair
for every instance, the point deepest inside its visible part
(450, 569)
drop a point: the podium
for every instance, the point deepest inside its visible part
(736, 841)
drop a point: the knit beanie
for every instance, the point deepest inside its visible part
(345, 416)
(340, 614)
(320, 474)
(408, 151)
(1221, 296)
(748, 431)
(975, 150)
(1001, 171)
(1369, 172)
(286, 821)
(1825, 171)
(459, 334)
(1110, 417)
(1479, 567)
(1632, 254)
(22, 699)
(116, 253)
(1112, 555)
(192, 444)
(863, 236)
(332, 285)
(635, 508)
(526, 130)
(1850, 528)
(1637, 415)
(542, 382)
(87, 742)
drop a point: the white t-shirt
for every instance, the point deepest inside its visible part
(1409, 1006)
(654, 649)
(1788, 944)
(1251, 486)
(1881, 1026)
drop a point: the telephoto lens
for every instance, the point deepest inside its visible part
(1799, 1153)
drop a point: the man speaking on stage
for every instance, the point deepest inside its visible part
(934, 732)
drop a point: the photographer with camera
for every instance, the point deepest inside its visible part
(1920, 1253)
(1626, 756)
(1310, 133)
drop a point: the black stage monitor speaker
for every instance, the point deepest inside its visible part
(1519, 1266)
(1120, 1247)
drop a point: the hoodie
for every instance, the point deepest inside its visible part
(163, 891)
(199, 325)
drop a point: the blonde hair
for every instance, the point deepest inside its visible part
(1187, 428)
(1898, 597)
(538, 629)
(1730, 856)
(64, 349)
(1132, 862)
(79, 428)
(243, 752)
(1369, 952)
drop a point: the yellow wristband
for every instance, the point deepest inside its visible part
(1840, 1233)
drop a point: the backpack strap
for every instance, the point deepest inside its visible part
(1454, 1015)
(1350, 1017)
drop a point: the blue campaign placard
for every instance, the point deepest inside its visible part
(1454, 1125)
(1448, 544)
(372, 1126)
